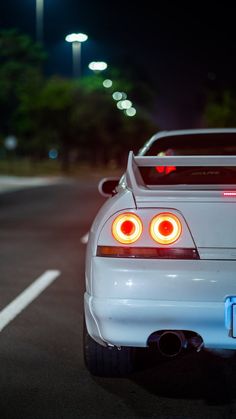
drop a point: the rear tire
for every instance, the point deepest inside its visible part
(106, 361)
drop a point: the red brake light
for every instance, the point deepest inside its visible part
(229, 193)
(165, 228)
(166, 170)
(127, 228)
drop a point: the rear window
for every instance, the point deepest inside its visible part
(194, 144)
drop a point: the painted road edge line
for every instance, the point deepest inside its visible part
(26, 297)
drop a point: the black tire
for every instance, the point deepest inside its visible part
(105, 361)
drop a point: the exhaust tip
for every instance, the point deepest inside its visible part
(171, 343)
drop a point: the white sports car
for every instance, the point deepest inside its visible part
(161, 255)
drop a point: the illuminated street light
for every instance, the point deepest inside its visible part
(97, 66)
(39, 20)
(130, 112)
(126, 104)
(107, 83)
(119, 105)
(117, 95)
(76, 39)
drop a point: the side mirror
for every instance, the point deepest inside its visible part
(106, 186)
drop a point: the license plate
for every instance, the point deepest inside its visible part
(230, 316)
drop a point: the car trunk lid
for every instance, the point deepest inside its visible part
(208, 209)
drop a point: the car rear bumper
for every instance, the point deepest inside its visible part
(127, 300)
(129, 322)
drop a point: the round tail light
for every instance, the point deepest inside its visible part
(165, 228)
(127, 228)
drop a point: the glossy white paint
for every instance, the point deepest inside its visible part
(125, 322)
(128, 299)
(180, 280)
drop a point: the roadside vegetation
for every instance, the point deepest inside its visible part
(220, 109)
(59, 124)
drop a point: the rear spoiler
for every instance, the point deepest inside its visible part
(135, 181)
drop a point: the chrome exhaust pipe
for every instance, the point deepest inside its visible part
(171, 343)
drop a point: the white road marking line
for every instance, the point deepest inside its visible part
(14, 183)
(85, 238)
(26, 297)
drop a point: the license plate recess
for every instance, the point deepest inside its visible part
(230, 316)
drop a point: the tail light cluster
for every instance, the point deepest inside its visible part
(127, 228)
(165, 228)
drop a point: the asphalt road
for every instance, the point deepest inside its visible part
(42, 369)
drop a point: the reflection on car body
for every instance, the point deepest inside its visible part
(161, 256)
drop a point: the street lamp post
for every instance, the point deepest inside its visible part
(39, 20)
(76, 39)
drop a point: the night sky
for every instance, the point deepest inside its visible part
(179, 49)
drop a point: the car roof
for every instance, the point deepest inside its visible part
(176, 133)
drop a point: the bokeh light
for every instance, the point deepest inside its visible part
(97, 65)
(76, 37)
(131, 111)
(53, 154)
(126, 104)
(119, 105)
(107, 83)
(117, 95)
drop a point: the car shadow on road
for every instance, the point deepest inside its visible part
(193, 376)
(204, 375)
